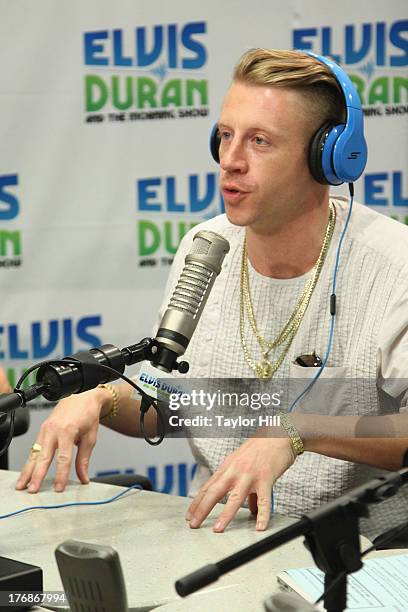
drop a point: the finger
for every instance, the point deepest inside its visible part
(264, 502)
(85, 449)
(41, 463)
(200, 495)
(64, 459)
(253, 503)
(27, 470)
(236, 498)
(196, 502)
(212, 495)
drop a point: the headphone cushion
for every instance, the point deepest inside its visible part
(316, 153)
(215, 142)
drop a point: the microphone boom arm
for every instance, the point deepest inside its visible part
(331, 534)
(82, 371)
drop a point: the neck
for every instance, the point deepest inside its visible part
(291, 248)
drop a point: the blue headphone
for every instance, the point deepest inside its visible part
(338, 152)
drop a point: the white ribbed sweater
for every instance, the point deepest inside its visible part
(370, 346)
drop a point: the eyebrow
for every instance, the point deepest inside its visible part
(257, 128)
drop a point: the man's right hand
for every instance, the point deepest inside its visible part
(74, 421)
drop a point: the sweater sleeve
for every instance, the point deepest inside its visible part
(393, 346)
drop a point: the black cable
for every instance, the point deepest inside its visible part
(332, 585)
(387, 538)
(161, 428)
(9, 435)
(36, 367)
(12, 412)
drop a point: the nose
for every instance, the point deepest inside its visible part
(233, 157)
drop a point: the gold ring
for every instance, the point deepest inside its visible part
(36, 448)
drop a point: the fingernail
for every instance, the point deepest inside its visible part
(218, 526)
(194, 522)
(31, 489)
(58, 488)
(260, 526)
(188, 516)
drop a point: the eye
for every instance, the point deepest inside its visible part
(260, 140)
(225, 135)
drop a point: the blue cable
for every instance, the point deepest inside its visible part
(333, 317)
(53, 507)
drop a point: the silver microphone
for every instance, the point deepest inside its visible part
(202, 266)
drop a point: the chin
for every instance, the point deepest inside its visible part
(237, 217)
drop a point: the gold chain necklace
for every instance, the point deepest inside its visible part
(265, 368)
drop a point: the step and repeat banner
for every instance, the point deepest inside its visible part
(105, 114)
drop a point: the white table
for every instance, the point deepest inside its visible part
(155, 544)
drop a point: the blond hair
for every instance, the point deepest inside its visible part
(314, 80)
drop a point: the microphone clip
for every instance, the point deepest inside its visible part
(159, 355)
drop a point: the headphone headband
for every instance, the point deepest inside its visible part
(351, 98)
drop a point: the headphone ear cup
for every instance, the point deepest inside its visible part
(316, 153)
(215, 142)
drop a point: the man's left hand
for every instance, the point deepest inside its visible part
(249, 472)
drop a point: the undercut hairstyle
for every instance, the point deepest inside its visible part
(323, 97)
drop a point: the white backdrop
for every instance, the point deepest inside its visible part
(105, 114)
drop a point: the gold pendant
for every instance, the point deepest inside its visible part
(263, 369)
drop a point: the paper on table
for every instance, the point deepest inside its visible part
(380, 585)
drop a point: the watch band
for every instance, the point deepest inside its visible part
(297, 442)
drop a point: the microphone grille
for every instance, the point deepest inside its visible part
(200, 246)
(202, 265)
(191, 288)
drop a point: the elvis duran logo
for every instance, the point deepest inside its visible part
(172, 478)
(10, 237)
(167, 208)
(146, 73)
(389, 192)
(374, 55)
(23, 345)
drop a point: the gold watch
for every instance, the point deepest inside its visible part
(297, 442)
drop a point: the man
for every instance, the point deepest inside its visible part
(270, 305)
